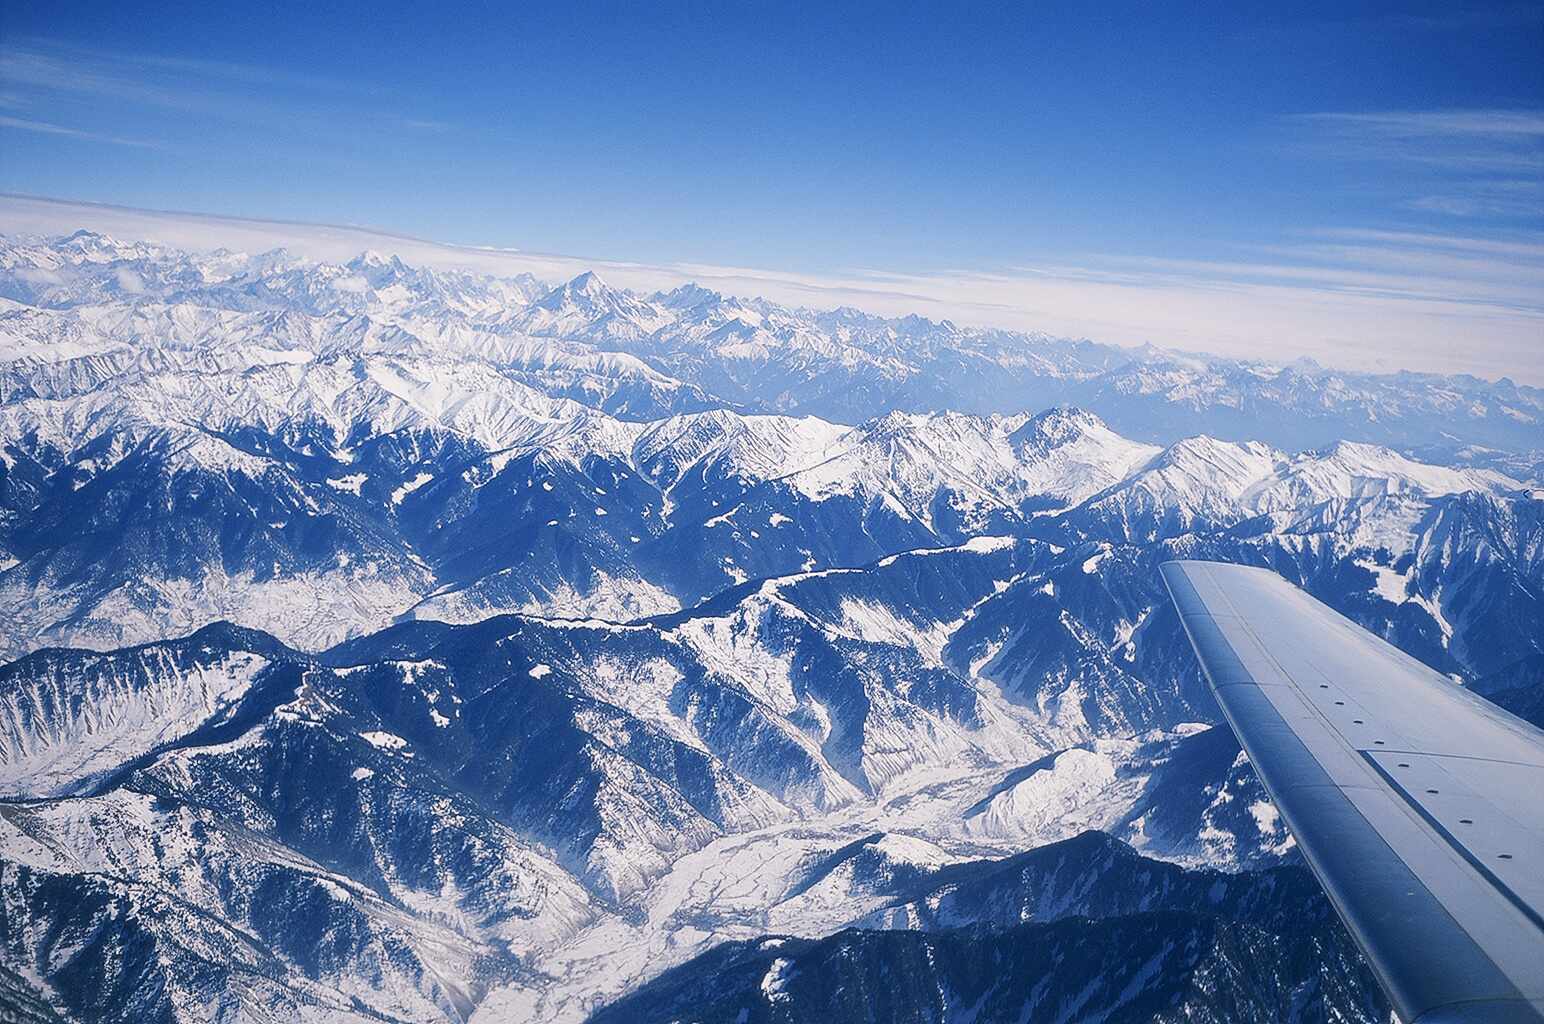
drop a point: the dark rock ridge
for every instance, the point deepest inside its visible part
(1083, 929)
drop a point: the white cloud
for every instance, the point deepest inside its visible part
(1483, 141)
(37, 74)
(1485, 165)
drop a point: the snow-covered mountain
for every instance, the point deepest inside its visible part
(692, 349)
(394, 644)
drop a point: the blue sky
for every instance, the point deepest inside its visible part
(1349, 152)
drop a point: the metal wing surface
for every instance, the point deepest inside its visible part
(1419, 805)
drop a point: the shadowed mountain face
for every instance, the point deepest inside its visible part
(1156, 967)
(397, 645)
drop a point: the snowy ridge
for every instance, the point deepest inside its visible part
(68, 718)
(1203, 479)
(693, 349)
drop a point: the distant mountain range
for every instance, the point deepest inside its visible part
(397, 644)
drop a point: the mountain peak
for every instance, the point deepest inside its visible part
(585, 291)
(378, 266)
(1054, 428)
(690, 296)
(97, 247)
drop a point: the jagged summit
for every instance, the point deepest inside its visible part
(378, 266)
(586, 300)
(1054, 428)
(587, 289)
(587, 283)
(689, 296)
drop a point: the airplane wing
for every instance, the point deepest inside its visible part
(1419, 805)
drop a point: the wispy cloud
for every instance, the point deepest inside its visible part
(1466, 124)
(1515, 199)
(1468, 141)
(71, 83)
(35, 74)
(45, 128)
(148, 78)
(1460, 163)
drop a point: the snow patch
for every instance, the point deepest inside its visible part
(409, 487)
(1265, 815)
(352, 483)
(383, 740)
(775, 985)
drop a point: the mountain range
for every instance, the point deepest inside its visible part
(388, 643)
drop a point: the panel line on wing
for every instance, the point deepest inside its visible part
(1457, 757)
(1458, 845)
